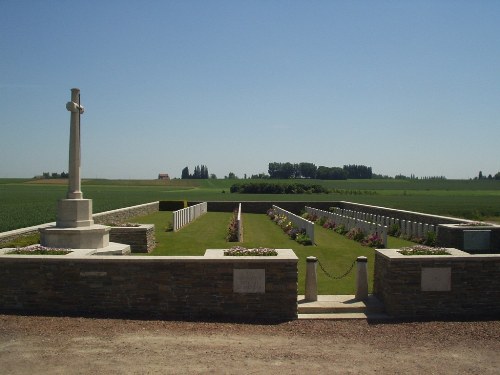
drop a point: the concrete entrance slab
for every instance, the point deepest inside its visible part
(341, 307)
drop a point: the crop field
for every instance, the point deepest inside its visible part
(26, 202)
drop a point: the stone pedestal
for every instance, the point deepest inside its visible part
(74, 213)
(92, 237)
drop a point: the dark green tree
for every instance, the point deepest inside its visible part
(307, 170)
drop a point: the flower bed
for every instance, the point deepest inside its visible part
(242, 251)
(423, 250)
(125, 225)
(297, 234)
(474, 224)
(356, 234)
(232, 234)
(38, 250)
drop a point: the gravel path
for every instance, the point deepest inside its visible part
(62, 345)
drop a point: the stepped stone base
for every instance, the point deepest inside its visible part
(74, 213)
(92, 237)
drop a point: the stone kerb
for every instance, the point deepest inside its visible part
(298, 221)
(459, 285)
(184, 216)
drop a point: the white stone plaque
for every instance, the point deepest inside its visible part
(436, 279)
(249, 280)
(476, 240)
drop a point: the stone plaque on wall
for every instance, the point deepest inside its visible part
(249, 280)
(436, 279)
(478, 240)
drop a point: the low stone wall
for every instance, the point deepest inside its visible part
(213, 287)
(439, 286)
(121, 215)
(141, 239)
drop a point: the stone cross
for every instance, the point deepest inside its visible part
(74, 188)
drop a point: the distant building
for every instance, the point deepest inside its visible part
(163, 176)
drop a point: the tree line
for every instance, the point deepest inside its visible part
(48, 175)
(200, 172)
(309, 170)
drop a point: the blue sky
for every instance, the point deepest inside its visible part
(409, 87)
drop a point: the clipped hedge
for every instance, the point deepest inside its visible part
(274, 188)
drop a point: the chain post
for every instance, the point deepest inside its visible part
(311, 279)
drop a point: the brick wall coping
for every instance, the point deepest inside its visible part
(211, 256)
(393, 254)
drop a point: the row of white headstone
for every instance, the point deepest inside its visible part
(186, 215)
(297, 221)
(350, 223)
(408, 228)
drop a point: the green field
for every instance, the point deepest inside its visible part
(27, 202)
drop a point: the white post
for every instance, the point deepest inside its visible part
(311, 279)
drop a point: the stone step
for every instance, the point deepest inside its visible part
(339, 304)
(375, 317)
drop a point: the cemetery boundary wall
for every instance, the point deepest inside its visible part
(432, 287)
(120, 215)
(178, 288)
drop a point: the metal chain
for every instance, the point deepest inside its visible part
(337, 277)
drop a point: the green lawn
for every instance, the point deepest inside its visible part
(335, 252)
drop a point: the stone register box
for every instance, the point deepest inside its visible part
(459, 285)
(141, 239)
(472, 239)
